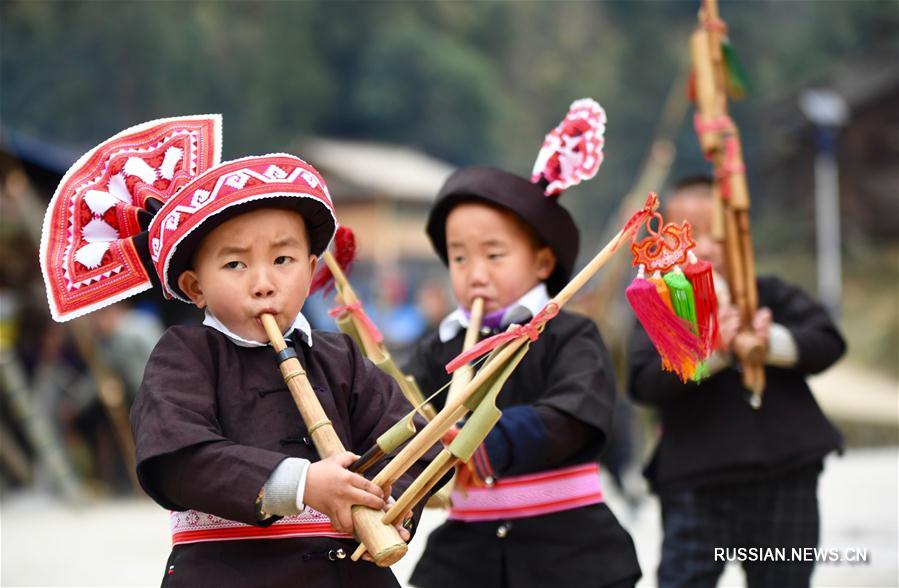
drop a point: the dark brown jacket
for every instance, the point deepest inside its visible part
(211, 422)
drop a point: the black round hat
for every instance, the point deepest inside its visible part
(543, 214)
(571, 153)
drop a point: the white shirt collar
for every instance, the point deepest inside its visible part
(518, 312)
(299, 324)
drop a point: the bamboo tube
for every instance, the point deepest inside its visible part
(382, 541)
(376, 352)
(706, 94)
(435, 471)
(461, 377)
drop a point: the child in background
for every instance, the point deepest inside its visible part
(729, 475)
(535, 516)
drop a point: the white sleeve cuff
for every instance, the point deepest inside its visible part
(301, 486)
(782, 349)
(283, 491)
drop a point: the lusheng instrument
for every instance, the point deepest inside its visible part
(461, 378)
(716, 75)
(352, 319)
(380, 539)
(479, 396)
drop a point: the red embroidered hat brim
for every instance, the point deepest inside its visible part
(92, 247)
(278, 180)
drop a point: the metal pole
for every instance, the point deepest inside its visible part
(827, 221)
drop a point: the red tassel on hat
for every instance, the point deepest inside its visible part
(700, 275)
(680, 349)
(344, 253)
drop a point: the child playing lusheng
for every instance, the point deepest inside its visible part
(219, 439)
(507, 242)
(728, 475)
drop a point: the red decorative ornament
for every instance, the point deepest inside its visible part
(573, 151)
(661, 250)
(344, 254)
(93, 243)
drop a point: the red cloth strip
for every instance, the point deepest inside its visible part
(531, 329)
(357, 310)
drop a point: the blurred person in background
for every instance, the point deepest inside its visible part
(730, 475)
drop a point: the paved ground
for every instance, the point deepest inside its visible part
(125, 543)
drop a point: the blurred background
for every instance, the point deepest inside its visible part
(386, 99)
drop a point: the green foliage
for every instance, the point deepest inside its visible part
(471, 82)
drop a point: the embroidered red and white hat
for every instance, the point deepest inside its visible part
(229, 189)
(94, 242)
(139, 204)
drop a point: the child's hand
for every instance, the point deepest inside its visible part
(728, 325)
(761, 323)
(332, 490)
(405, 535)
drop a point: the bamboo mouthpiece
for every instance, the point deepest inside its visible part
(381, 540)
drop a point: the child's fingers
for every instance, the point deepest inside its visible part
(404, 533)
(345, 459)
(363, 498)
(366, 485)
(345, 520)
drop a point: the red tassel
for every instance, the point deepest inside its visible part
(344, 253)
(680, 349)
(700, 275)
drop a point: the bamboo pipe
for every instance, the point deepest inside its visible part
(461, 378)
(374, 351)
(382, 541)
(463, 375)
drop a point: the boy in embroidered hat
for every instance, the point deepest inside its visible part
(218, 437)
(507, 241)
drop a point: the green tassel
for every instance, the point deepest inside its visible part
(702, 372)
(737, 81)
(682, 297)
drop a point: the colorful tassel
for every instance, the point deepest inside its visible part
(680, 349)
(682, 297)
(662, 289)
(701, 278)
(736, 82)
(344, 254)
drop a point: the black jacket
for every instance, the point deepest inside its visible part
(211, 422)
(710, 433)
(566, 377)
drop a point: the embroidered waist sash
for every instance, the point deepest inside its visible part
(529, 495)
(192, 526)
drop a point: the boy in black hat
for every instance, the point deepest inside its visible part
(535, 514)
(728, 475)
